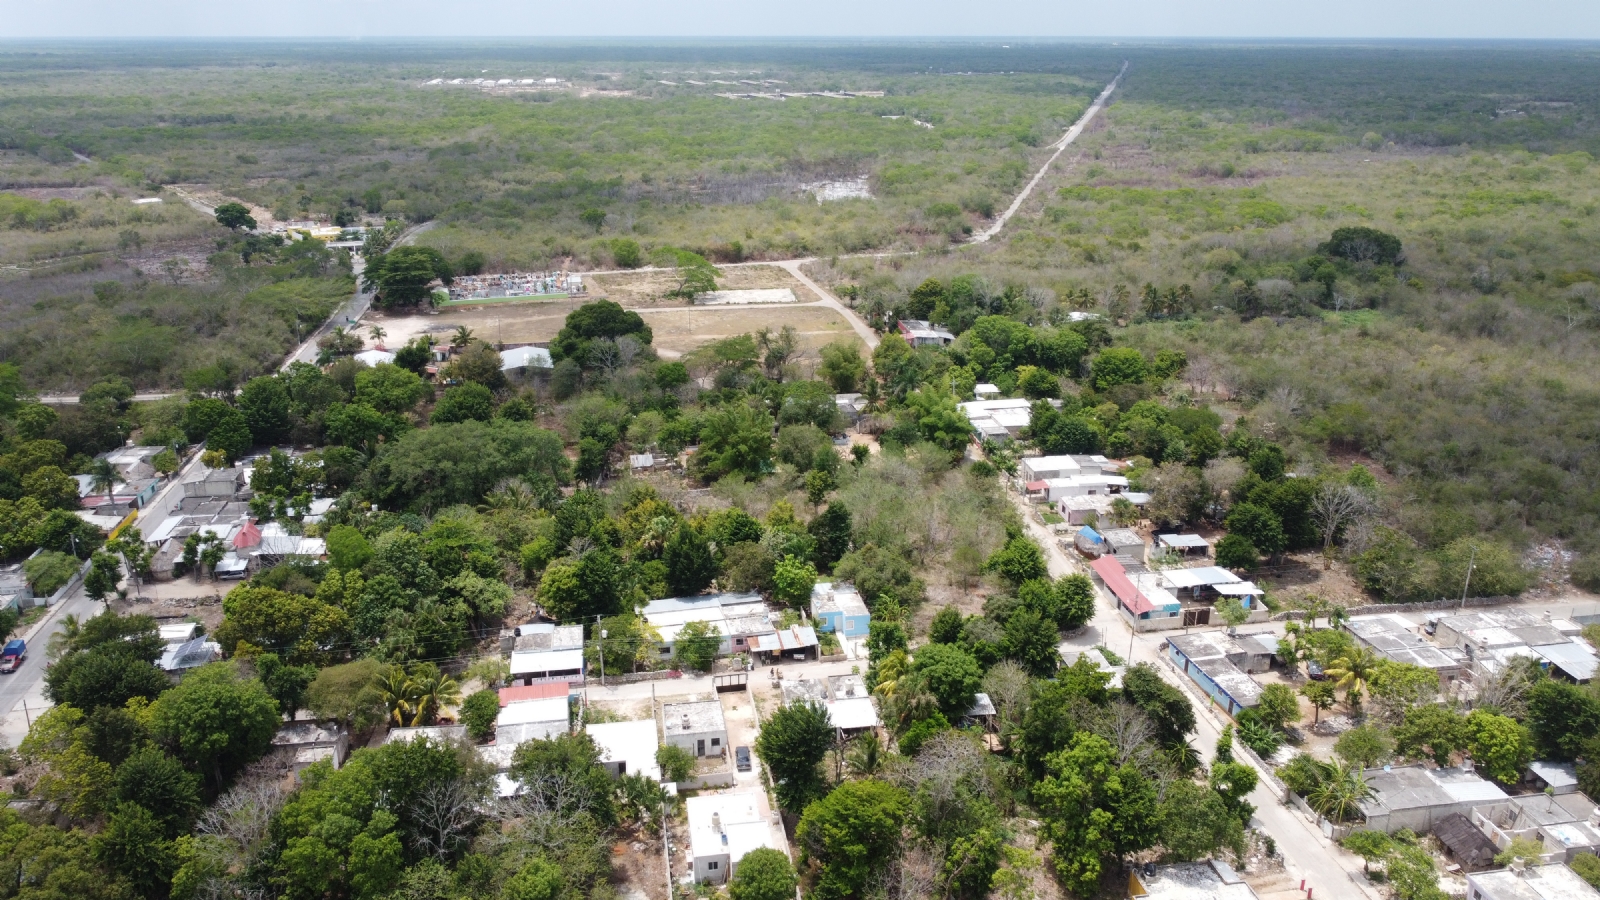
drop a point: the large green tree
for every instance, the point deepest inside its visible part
(403, 276)
(216, 720)
(793, 742)
(1095, 811)
(850, 835)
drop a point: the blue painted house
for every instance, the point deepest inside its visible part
(1221, 666)
(838, 608)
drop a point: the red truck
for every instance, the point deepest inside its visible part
(12, 656)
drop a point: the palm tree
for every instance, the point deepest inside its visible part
(1351, 672)
(433, 689)
(462, 337)
(104, 476)
(398, 691)
(865, 758)
(61, 641)
(1339, 795)
(377, 334)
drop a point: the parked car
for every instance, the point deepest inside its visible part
(12, 656)
(741, 758)
(1314, 671)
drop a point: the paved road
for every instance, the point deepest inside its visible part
(353, 309)
(1061, 146)
(1327, 869)
(22, 693)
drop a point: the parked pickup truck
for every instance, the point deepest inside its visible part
(12, 656)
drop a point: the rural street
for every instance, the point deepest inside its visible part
(353, 309)
(1326, 868)
(26, 685)
(1066, 140)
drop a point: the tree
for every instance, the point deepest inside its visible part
(1278, 706)
(1351, 672)
(264, 403)
(1340, 793)
(1499, 745)
(599, 320)
(1363, 747)
(464, 402)
(105, 570)
(344, 693)
(951, 675)
(296, 627)
(1119, 365)
(1431, 731)
(390, 389)
(1258, 525)
(132, 846)
(763, 874)
(842, 366)
(946, 626)
(216, 720)
(792, 743)
(1562, 719)
(446, 465)
(792, 582)
(1166, 706)
(286, 684)
(348, 548)
(1031, 641)
(1094, 810)
(735, 438)
(1235, 551)
(1196, 824)
(688, 559)
(695, 647)
(850, 835)
(832, 531)
(1019, 560)
(676, 763)
(479, 713)
(404, 276)
(235, 216)
(1232, 612)
(593, 217)
(1233, 782)
(230, 436)
(626, 253)
(155, 781)
(1321, 694)
(1397, 687)
(1362, 244)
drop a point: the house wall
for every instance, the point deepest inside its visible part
(691, 742)
(1211, 688)
(857, 626)
(704, 873)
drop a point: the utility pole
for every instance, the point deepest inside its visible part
(1471, 559)
(603, 634)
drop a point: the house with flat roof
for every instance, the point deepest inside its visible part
(1221, 665)
(313, 742)
(1208, 584)
(1552, 882)
(443, 734)
(839, 608)
(1209, 880)
(1566, 824)
(723, 828)
(1416, 796)
(1493, 639)
(1394, 637)
(999, 420)
(533, 720)
(627, 748)
(697, 726)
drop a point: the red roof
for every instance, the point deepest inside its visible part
(540, 691)
(248, 536)
(1116, 578)
(1038, 486)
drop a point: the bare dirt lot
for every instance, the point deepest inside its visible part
(677, 329)
(639, 289)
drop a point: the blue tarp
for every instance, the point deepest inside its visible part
(1091, 534)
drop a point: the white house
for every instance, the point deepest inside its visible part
(374, 357)
(543, 651)
(1521, 882)
(532, 720)
(627, 748)
(696, 726)
(722, 829)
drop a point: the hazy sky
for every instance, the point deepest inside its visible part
(1560, 19)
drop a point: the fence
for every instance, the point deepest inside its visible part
(1376, 608)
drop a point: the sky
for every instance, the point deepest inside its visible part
(1459, 19)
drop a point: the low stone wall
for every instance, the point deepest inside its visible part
(1377, 608)
(634, 677)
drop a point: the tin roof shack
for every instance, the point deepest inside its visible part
(1221, 666)
(738, 618)
(1210, 880)
(1144, 603)
(1555, 777)
(1492, 638)
(1185, 545)
(1209, 584)
(795, 642)
(850, 706)
(838, 608)
(697, 726)
(543, 651)
(628, 747)
(1556, 882)
(1566, 824)
(179, 658)
(533, 720)
(722, 829)
(1394, 637)
(1468, 846)
(1416, 797)
(919, 333)
(313, 742)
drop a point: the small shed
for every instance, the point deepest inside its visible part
(1467, 845)
(1184, 544)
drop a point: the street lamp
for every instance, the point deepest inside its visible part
(603, 635)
